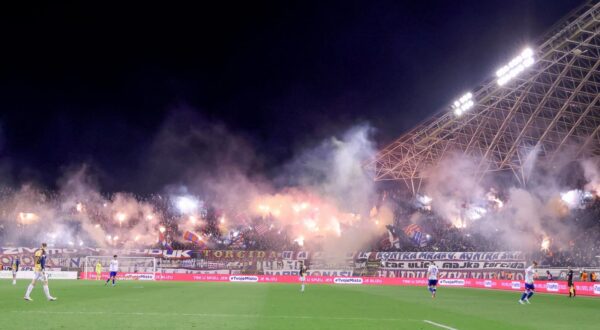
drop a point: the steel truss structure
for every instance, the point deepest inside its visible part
(551, 107)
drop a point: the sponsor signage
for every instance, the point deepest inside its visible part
(138, 276)
(552, 287)
(28, 275)
(348, 280)
(243, 278)
(452, 282)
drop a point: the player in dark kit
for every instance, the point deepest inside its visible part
(570, 284)
(302, 275)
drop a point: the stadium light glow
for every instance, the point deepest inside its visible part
(186, 204)
(27, 218)
(193, 219)
(121, 217)
(515, 66)
(300, 240)
(463, 104)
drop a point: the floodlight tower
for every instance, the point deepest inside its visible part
(543, 102)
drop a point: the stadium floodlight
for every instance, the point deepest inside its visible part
(515, 66)
(463, 104)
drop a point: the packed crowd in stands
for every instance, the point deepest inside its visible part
(581, 251)
(574, 244)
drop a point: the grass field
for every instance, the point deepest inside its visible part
(177, 305)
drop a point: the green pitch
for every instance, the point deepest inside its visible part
(175, 305)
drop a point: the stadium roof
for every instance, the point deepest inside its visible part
(545, 100)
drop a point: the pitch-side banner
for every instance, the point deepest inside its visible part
(555, 287)
(28, 275)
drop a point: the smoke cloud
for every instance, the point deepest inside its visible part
(322, 196)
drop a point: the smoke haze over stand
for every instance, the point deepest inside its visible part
(196, 157)
(323, 196)
(526, 216)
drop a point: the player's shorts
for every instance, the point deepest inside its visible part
(432, 282)
(40, 276)
(14, 272)
(112, 274)
(529, 286)
(302, 278)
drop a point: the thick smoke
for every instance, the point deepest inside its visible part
(322, 198)
(323, 195)
(592, 175)
(463, 198)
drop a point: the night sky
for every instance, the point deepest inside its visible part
(94, 82)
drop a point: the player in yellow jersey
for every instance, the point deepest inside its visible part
(39, 273)
(98, 270)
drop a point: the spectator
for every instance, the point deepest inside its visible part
(548, 275)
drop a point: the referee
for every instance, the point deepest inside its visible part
(570, 284)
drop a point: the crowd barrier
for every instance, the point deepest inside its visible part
(555, 287)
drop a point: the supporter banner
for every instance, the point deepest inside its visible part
(28, 275)
(451, 264)
(553, 287)
(435, 256)
(472, 273)
(510, 265)
(262, 255)
(312, 272)
(87, 251)
(240, 255)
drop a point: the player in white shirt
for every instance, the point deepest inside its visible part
(113, 268)
(530, 274)
(432, 277)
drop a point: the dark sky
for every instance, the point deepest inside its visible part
(93, 81)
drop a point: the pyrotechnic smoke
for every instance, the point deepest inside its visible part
(452, 186)
(333, 192)
(592, 175)
(75, 215)
(539, 208)
(323, 196)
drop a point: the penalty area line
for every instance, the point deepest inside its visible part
(439, 325)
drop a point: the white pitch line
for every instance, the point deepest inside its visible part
(221, 315)
(439, 325)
